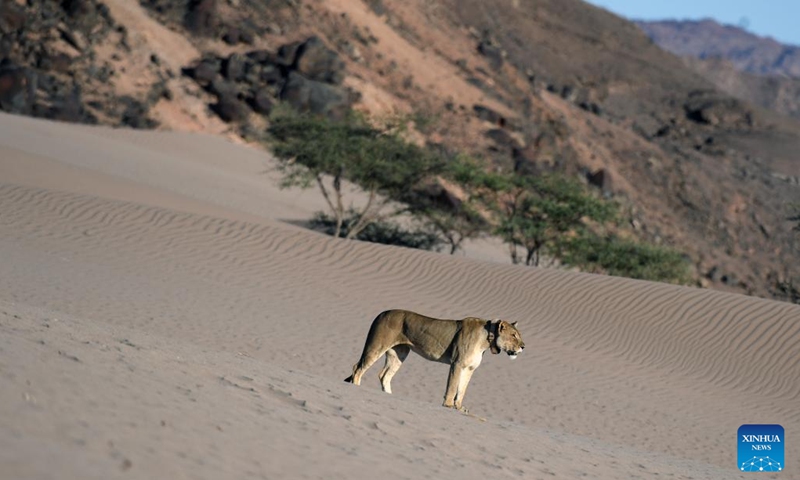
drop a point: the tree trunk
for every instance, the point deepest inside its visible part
(337, 187)
(338, 213)
(512, 248)
(365, 218)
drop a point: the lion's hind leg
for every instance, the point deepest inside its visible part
(369, 357)
(395, 357)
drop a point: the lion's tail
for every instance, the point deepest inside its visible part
(349, 379)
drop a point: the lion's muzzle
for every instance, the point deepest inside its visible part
(512, 354)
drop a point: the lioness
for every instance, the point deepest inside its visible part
(460, 343)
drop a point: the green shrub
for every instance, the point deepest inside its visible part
(626, 258)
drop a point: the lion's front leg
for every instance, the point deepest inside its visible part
(466, 375)
(452, 386)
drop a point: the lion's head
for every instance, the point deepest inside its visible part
(506, 338)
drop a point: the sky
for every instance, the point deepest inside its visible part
(779, 19)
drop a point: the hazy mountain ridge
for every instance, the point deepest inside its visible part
(707, 39)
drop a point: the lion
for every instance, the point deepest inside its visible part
(461, 343)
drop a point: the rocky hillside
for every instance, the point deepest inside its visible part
(528, 85)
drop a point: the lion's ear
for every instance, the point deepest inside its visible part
(501, 325)
(514, 324)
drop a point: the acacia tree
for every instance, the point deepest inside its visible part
(454, 223)
(539, 213)
(311, 148)
(460, 216)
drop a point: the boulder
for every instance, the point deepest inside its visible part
(488, 115)
(205, 72)
(262, 102)
(601, 179)
(234, 67)
(317, 62)
(202, 17)
(17, 89)
(316, 97)
(711, 109)
(262, 56)
(287, 54)
(271, 74)
(223, 88)
(231, 109)
(135, 114)
(503, 139)
(493, 53)
(12, 18)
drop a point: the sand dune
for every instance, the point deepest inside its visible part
(159, 316)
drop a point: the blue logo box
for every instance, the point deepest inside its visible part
(761, 448)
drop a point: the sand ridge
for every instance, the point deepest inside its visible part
(621, 377)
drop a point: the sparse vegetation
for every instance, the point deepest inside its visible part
(626, 258)
(453, 198)
(541, 214)
(311, 148)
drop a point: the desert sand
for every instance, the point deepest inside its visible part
(162, 315)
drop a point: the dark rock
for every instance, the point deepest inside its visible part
(202, 17)
(713, 274)
(710, 109)
(591, 107)
(271, 75)
(316, 97)
(262, 56)
(502, 138)
(247, 37)
(223, 88)
(232, 36)
(205, 72)
(135, 114)
(287, 54)
(74, 38)
(569, 93)
(525, 161)
(488, 115)
(56, 62)
(317, 62)
(600, 179)
(12, 18)
(377, 6)
(230, 109)
(84, 14)
(234, 67)
(492, 52)
(17, 89)
(78, 8)
(262, 102)
(66, 108)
